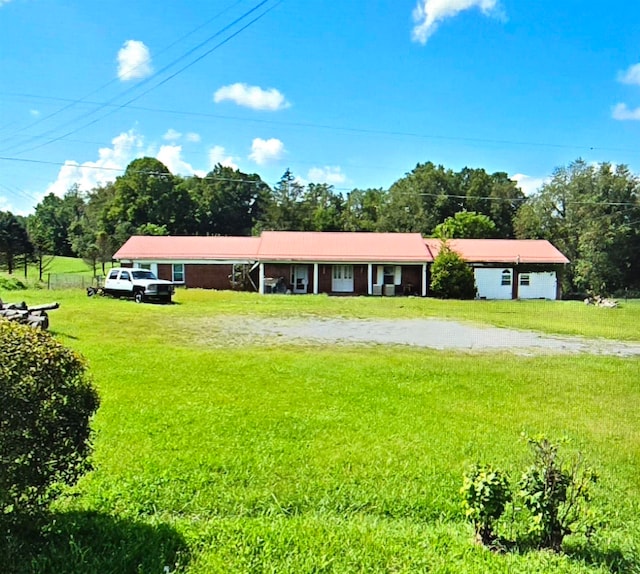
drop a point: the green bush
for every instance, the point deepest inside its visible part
(46, 403)
(485, 493)
(451, 277)
(11, 284)
(555, 491)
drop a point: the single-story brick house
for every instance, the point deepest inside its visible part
(341, 263)
(510, 268)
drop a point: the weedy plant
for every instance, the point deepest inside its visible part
(550, 498)
(485, 494)
(555, 492)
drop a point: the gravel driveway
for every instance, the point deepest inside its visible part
(427, 333)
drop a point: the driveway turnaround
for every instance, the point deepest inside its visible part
(427, 333)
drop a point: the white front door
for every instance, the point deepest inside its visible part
(300, 278)
(342, 280)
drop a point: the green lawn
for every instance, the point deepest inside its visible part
(295, 459)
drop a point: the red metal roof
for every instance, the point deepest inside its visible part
(501, 250)
(324, 246)
(141, 247)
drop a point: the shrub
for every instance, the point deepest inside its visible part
(451, 277)
(485, 493)
(11, 284)
(554, 491)
(549, 501)
(46, 403)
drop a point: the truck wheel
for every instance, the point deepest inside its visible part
(139, 297)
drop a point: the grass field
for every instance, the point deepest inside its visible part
(314, 458)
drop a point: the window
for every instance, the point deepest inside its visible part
(343, 272)
(525, 279)
(506, 277)
(389, 275)
(142, 274)
(113, 274)
(144, 266)
(124, 276)
(178, 273)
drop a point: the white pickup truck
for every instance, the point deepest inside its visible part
(141, 284)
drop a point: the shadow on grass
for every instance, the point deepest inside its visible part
(613, 559)
(89, 542)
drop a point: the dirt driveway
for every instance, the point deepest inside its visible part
(427, 333)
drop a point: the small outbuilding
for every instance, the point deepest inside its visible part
(510, 268)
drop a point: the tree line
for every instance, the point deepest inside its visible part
(590, 212)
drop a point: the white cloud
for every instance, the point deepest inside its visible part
(134, 61)
(34, 113)
(328, 174)
(631, 75)
(171, 156)
(428, 14)
(110, 163)
(3, 2)
(528, 184)
(622, 112)
(264, 151)
(252, 97)
(192, 137)
(172, 135)
(218, 155)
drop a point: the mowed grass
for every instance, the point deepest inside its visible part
(327, 458)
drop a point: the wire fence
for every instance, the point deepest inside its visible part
(72, 281)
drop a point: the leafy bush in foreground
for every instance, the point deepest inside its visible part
(46, 403)
(550, 498)
(554, 491)
(485, 493)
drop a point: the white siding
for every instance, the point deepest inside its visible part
(542, 285)
(489, 283)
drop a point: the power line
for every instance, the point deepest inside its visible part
(73, 102)
(630, 204)
(340, 128)
(145, 81)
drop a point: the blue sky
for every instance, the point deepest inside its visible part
(350, 93)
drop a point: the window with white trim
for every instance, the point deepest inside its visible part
(525, 279)
(177, 273)
(506, 278)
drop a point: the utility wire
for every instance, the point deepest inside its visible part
(347, 129)
(72, 102)
(632, 204)
(117, 107)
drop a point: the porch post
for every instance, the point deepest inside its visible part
(261, 279)
(369, 279)
(424, 279)
(315, 278)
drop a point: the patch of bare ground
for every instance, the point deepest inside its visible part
(232, 331)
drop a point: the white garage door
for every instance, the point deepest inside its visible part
(541, 285)
(494, 283)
